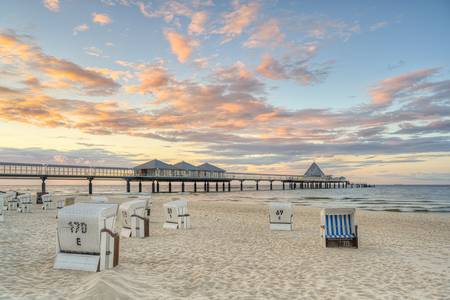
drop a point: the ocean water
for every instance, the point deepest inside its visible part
(399, 198)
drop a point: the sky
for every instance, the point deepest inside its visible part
(360, 87)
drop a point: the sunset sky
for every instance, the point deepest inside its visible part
(360, 87)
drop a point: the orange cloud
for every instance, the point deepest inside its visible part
(236, 21)
(180, 46)
(268, 34)
(388, 89)
(271, 68)
(198, 21)
(102, 19)
(61, 73)
(52, 5)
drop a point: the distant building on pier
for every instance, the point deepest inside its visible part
(182, 169)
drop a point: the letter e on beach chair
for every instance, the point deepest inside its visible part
(134, 219)
(86, 240)
(280, 215)
(339, 227)
(176, 215)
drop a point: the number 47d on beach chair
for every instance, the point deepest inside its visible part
(339, 228)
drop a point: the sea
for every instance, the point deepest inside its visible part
(395, 198)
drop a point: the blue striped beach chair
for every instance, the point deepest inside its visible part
(339, 228)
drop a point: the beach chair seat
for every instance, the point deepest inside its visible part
(25, 203)
(280, 216)
(339, 228)
(134, 219)
(47, 201)
(86, 237)
(176, 215)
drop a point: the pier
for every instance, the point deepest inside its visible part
(204, 178)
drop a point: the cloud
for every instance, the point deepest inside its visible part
(102, 19)
(93, 51)
(387, 90)
(80, 28)
(268, 34)
(168, 10)
(52, 5)
(85, 157)
(379, 25)
(152, 78)
(180, 46)
(198, 21)
(301, 71)
(236, 21)
(61, 73)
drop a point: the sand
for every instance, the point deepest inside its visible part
(230, 253)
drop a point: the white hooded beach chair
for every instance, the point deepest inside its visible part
(134, 219)
(280, 216)
(2, 203)
(11, 200)
(86, 240)
(339, 227)
(24, 203)
(176, 215)
(47, 201)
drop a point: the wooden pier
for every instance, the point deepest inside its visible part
(202, 181)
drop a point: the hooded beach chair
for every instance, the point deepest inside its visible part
(339, 227)
(86, 238)
(176, 215)
(2, 203)
(134, 219)
(47, 200)
(280, 215)
(25, 202)
(11, 200)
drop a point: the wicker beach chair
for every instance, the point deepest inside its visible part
(25, 202)
(134, 219)
(86, 239)
(11, 200)
(339, 227)
(280, 216)
(176, 215)
(47, 201)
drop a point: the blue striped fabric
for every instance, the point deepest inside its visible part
(338, 226)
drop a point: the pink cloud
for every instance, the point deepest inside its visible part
(236, 21)
(268, 34)
(180, 46)
(102, 19)
(197, 24)
(52, 5)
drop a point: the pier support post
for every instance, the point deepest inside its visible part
(157, 186)
(170, 186)
(153, 186)
(140, 186)
(90, 185)
(182, 186)
(223, 186)
(217, 186)
(204, 186)
(128, 186)
(207, 186)
(257, 185)
(242, 185)
(283, 186)
(229, 186)
(43, 178)
(195, 186)
(271, 185)
(295, 185)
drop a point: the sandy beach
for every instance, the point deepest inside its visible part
(230, 253)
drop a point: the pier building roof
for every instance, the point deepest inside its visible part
(314, 171)
(155, 164)
(209, 167)
(182, 165)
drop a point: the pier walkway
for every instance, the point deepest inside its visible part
(89, 173)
